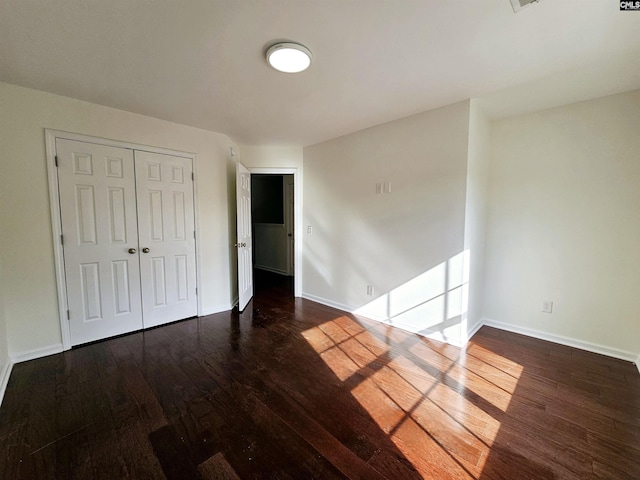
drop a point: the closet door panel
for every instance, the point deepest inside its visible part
(167, 237)
(99, 227)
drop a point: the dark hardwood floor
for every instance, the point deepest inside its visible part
(291, 389)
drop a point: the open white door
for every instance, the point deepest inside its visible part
(245, 258)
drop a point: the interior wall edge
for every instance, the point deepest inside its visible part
(562, 340)
(472, 330)
(27, 355)
(4, 379)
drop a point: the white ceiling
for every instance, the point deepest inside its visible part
(201, 62)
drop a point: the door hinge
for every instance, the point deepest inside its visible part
(194, 234)
(196, 290)
(56, 159)
(68, 315)
(193, 176)
(61, 239)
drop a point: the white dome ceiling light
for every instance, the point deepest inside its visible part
(289, 57)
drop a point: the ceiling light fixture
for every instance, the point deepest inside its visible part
(289, 57)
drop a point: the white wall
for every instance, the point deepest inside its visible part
(476, 214)
(271, 156)
(28, 281)
(270, 247)
(407, 243)
(564, 223)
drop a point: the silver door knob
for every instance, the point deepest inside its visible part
(132, 251)
(145, 250)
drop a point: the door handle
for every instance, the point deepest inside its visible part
(145, 250)
(132, 251)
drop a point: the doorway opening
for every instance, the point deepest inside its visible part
(273, 232)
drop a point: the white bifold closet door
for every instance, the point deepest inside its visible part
(128, 238)
(167, 237)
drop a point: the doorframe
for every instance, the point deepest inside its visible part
(289, 201)
(56, 225)
(297, 218)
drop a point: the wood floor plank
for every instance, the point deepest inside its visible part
(217, 468)
(293, 389)
(326, 444)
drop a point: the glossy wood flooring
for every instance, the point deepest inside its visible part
(295, 390)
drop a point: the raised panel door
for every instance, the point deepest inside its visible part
(245, 239)
(99, 225)
(166, 236)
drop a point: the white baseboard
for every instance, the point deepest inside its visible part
(431, 334)
(36, 353)
(328, 303)
(4, 379)
(530, 332)
(217, 309)
(271, 269)
(370, 315)
(562, 340)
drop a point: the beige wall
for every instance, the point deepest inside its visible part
(564, 222)
(406, 243)
(28, 281)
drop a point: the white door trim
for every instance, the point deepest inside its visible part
(297, 218)
(56, 226)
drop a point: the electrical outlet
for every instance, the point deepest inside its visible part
(370, 290)
(309, 230)
(547, 306)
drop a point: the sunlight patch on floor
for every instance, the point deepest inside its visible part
(420, 392)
